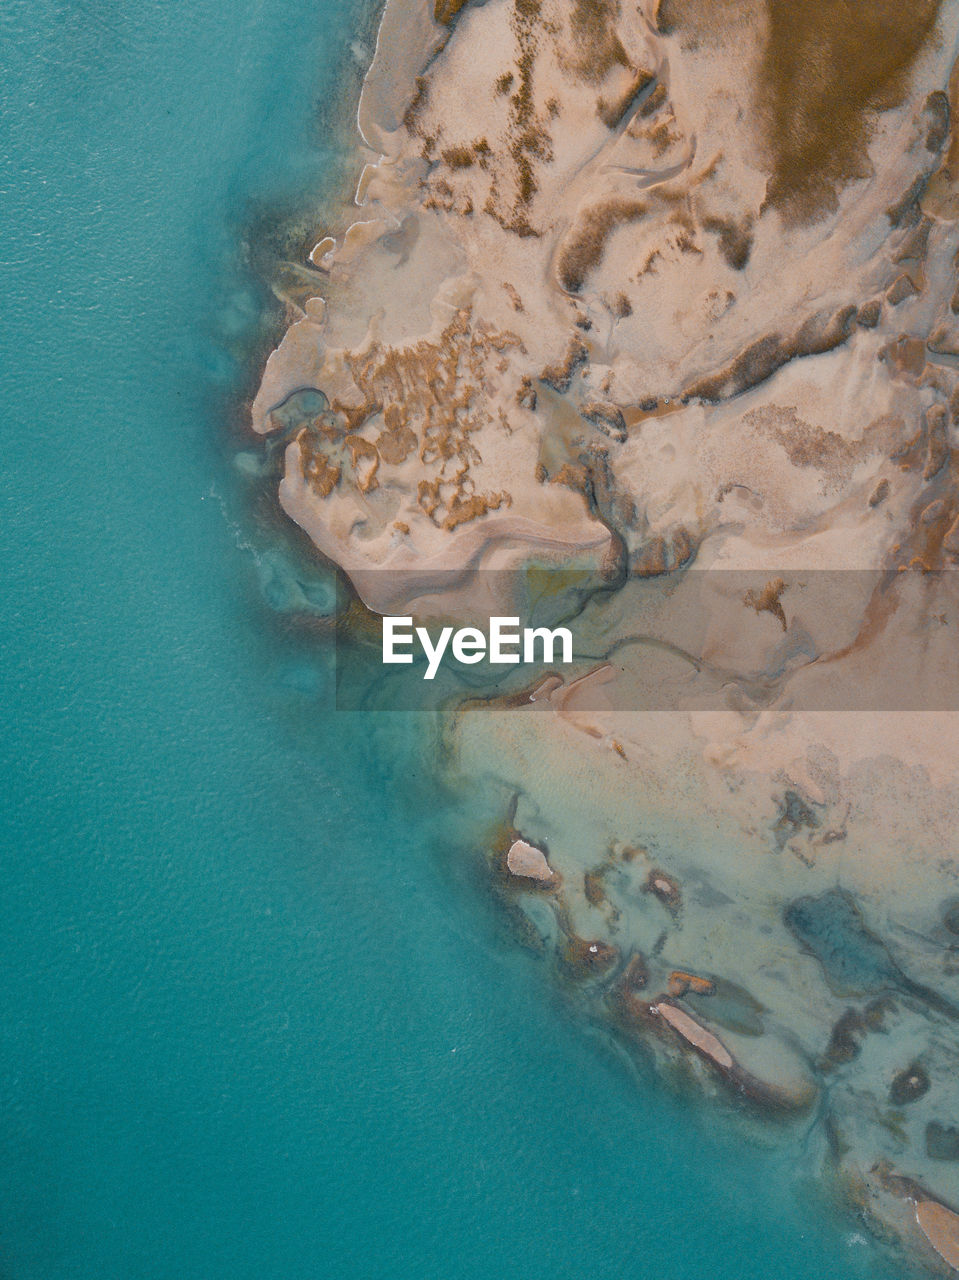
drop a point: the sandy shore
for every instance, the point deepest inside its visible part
(671, 300)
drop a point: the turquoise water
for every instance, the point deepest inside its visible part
(257, 1018)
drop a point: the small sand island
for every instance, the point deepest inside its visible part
(666, 294)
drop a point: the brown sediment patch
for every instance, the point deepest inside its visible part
(844, 1040)
(827, 69)
(907, 210)
(906, 358)
(943, 341)
(915, 243)
(665, 888)
(612, 111)
(628, 1009)
(561, 374)
(902, 287)
(397, 441)
(526, 395)
(761, 359)
(880, 493)
(699, 19)
(807, 445)
(527, 144)
(513, 294)
(416, 107)
(768, 600)
(461, 507)
(937, 440)
(867, 317)
(458, 157)
(585, 244)
(598, 48)
(594, 889)
(932, 535)
(937, 109)
(681, 982)
(653, 102)
(587, 957)
(445, 11)
(662, 138)
(903, 1187)
(431, 397)
(651, 407)
(356, 621)
(911, 453)
(662, 554)
(365, 462)
(950, 541)
(316, 467)
(735, 239)
(849, 1030)
(528, 139)
(591, 476)
(940, 195)
(608, 417)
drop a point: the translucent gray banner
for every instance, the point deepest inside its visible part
(817, 640)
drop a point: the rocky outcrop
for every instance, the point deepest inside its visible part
(527, 862)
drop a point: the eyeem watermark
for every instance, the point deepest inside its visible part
(506, 643)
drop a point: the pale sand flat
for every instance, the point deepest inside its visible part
(940, 1226)
(526, 860)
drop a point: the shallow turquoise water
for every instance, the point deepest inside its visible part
(256, 1019)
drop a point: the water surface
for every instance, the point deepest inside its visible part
(257, 1016)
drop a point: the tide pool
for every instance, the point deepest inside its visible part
(258, 1017)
